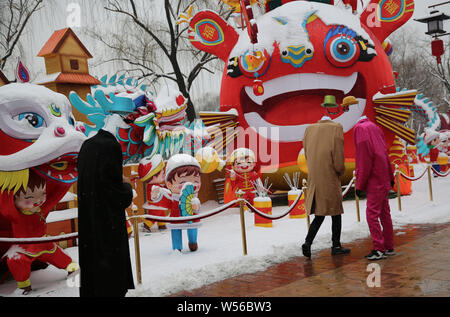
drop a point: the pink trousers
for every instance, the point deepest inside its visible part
(377, 212)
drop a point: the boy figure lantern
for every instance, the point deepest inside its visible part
(151, 173)
(241, 175)
(28, 215)
(183, 184)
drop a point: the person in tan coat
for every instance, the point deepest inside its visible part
(323, 143)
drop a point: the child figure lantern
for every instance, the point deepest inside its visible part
(241, 173)
(27, 212)
(151, 173)
(183, 184)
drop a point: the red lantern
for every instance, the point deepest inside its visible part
(437, 49)
(258, 88)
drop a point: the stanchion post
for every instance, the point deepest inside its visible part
(429, 181)
(399, 196)
(241, 211)
(137, 250)
(308, 221)
(356, 198)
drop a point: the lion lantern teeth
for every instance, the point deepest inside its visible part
(299, 82)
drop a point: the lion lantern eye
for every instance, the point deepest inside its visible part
(343, 47)
(35, 120)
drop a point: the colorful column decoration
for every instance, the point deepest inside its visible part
(263, 204)
(299, 210)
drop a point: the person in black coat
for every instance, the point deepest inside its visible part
(103, 196)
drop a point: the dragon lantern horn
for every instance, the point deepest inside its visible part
(383, 17)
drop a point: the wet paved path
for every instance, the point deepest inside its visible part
(420, 268)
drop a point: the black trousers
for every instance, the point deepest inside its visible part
(336, 225)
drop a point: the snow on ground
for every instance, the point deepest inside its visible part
(220, 254)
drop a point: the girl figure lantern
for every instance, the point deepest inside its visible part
(241, 172)
(151, 173)
(28, 214)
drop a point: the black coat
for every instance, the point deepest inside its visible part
(104, 254)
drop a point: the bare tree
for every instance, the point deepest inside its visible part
(157, 48)
(14, 16)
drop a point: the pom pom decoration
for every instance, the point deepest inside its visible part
(209, 160)
(258, 88)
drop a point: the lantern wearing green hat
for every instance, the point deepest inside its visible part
(329, 102)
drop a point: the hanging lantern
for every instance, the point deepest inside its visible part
(258, 88)
(437, 49)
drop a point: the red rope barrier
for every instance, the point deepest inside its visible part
(413, 179)
(63, 237)
(439, 174)
(273, 217)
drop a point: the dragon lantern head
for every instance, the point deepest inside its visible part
(37, 130)
(304, 52)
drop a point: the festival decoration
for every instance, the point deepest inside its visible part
(22, 73)
(262, 202)
(156, 124)
(221, 127)
(241, 173)
(399, 158)
(310, 48)
(151, 173)
(183, 181)
(299, 210)
(40, 142)
(209, 160)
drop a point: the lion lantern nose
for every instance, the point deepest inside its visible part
(60, 132)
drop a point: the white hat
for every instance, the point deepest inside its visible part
(430, 135)
(179, 160)
(150, 166)
(241, 152)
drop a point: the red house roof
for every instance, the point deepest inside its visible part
(74, 78)
(57, 39)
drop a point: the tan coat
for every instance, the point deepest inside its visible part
(324, 150)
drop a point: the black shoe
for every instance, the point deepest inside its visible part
(306, 249)
(375, 255)
(390, 252)
(339, 250)
(193, 246)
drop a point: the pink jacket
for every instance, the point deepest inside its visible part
(373, 168)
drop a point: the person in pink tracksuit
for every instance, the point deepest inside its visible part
(374, 176)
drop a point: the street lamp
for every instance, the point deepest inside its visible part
(435, 23)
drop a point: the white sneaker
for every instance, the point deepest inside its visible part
(375, 255)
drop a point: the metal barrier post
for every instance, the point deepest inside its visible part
(397, 176)
(137, 251)
(308, 221)
(429, 181)
(241, 210)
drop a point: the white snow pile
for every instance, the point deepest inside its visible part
(220, 254)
